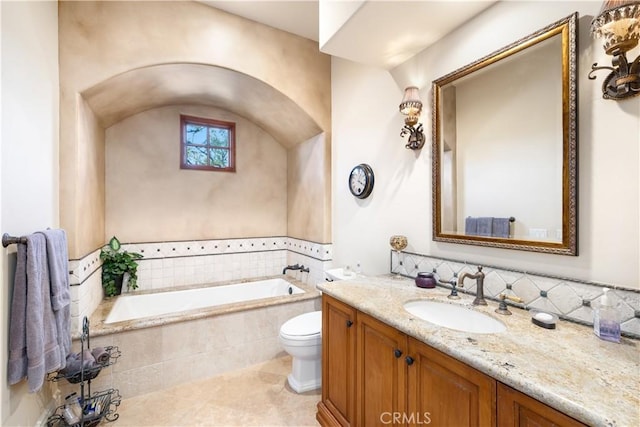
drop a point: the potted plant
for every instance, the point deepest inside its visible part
(115, 263)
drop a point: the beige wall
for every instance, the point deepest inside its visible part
(149, 198)
(100, 40)
(309, 199)
(29, 165)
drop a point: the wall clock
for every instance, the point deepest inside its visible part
(361, 181)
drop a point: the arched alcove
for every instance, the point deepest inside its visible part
(160, 85)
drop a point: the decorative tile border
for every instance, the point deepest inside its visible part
(319, 251)
(81, 269)
(570, 299)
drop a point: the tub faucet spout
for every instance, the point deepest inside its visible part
(291, 267)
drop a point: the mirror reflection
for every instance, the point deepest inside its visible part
(504, 146)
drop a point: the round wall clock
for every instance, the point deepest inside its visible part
(361, 181)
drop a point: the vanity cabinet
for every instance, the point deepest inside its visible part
(381, 372)
(337, 407)
(519, 410)
(398, 380)
(447, 392)
(375, 375)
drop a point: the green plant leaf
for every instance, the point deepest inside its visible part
(114, 244)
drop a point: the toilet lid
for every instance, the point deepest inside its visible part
(304, 324)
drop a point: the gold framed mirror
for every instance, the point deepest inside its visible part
(504, 158)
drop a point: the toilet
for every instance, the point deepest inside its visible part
(301, 337)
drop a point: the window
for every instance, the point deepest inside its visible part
(207, 144)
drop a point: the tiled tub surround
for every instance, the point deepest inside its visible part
(567, 368)
(175, 264)
(569, 298)
(162, 352)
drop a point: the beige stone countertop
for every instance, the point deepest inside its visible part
(99, 327)
(568, 368)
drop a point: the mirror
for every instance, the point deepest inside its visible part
(504, 146)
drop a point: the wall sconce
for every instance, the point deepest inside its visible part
(619, 25)
(411, 106)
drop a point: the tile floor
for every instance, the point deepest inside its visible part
(255, 396)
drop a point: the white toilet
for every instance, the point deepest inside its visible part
(301, 337)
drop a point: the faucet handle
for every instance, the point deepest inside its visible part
(454, 283)
(502, 308)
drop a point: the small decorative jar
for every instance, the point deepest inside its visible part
(425, 280)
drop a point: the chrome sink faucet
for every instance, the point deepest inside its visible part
(479, 276)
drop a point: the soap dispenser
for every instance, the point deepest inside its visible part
(605, 319)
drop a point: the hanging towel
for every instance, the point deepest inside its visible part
(471, 225)
(33, 341)
(500, 227)
(58, 263)
(485, 225)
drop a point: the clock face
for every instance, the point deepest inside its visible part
(361, 181)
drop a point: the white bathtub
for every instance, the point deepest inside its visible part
(130, 307)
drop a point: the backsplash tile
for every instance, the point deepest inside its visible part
(569, 298)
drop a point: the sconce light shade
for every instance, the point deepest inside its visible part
(618, 24)
(411, 106)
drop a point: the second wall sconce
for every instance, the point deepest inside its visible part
(411, 106)
(619, 25)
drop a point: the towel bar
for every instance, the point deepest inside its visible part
(11, 240)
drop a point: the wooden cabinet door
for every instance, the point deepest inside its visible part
(443, 391)
(338, 363)
(517, 409)
(381, 373)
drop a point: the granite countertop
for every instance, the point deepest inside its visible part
(568, 368)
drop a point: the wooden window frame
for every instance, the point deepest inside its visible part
(230, 126)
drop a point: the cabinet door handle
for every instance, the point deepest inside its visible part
(409, 360)
(349, 323)
(397, 353)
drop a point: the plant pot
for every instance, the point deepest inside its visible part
(118, 281)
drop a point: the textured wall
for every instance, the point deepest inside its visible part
(149, 198)
(308, 170)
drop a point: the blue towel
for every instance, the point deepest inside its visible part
(500, 227)
(471, 225)
(58, 263)
(485, 225)
(33, 340)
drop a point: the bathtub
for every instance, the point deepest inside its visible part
(132, 307)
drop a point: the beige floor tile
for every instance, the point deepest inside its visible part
(255, 396)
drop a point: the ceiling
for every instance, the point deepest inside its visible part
(378, 33)
(297, 17)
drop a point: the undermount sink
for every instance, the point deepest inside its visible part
(455, 317)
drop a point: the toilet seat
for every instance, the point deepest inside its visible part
(305, 327)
